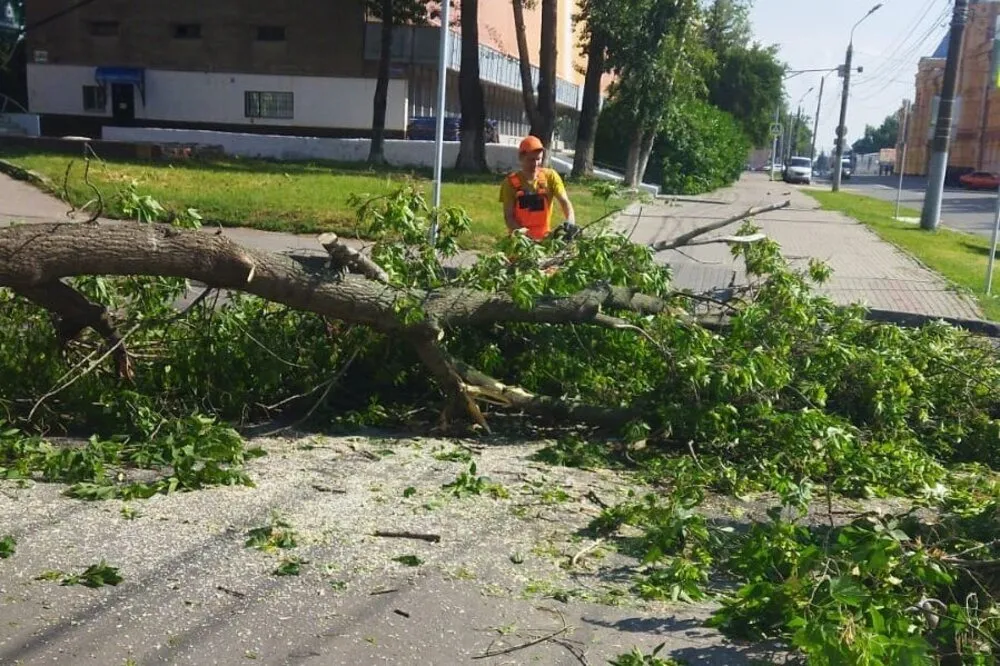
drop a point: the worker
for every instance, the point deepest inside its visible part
(527, 194)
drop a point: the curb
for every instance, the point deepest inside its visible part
(20, 173)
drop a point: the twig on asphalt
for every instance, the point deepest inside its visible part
(583, 551)
(522, 646)
(430, 538)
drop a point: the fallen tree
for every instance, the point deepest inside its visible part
(764, 386)
(37, 258)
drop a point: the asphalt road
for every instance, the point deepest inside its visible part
(961, 209)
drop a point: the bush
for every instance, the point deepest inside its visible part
(699, 149)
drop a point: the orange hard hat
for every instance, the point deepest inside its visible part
(530, 144)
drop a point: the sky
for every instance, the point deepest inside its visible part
(814, 34)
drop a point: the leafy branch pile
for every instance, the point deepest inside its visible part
(768, 388)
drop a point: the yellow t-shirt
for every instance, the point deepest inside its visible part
(553, 184)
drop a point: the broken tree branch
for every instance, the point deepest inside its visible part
(685, 239)
(430, 538)
(347, 257)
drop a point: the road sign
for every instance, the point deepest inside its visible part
(775, 129)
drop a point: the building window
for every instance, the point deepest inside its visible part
(270, 33)
(269, 104)
(104, 28)
(187, 31)
(95, 98)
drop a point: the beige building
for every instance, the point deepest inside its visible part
(975, 138)
(273, 66)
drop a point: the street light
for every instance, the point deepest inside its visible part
(841, 128)
(793, 136)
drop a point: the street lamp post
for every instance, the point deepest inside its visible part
(841, 126)
(794, 138)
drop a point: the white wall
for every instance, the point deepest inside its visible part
(398, 152)
(214, 97)
(499, 157)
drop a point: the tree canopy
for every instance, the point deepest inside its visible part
(877, 138)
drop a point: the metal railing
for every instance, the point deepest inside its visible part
(418, 45)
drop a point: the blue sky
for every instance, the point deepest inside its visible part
(813, 34)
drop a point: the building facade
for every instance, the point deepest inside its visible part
(975, 137)
(270, 66)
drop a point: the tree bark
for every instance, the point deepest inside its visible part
(645, 150)
(472, 147)
(634, 155)
(547, 75)
(376, 152)
(524, 62)
(586, 134)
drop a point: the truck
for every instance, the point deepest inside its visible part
(886, 161)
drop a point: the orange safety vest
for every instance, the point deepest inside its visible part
(533, 218)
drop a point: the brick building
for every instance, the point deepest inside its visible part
(307, 67)
(975, 138)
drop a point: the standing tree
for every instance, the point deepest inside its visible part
(877, 138)
(659, 57)
(744, 78)
(598, 18)
(391, 13)
(541, 111)
(472, 149)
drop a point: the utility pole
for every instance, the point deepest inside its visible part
(841, 129)
(794, 147)
(819, 103)
(930, 217)
(841, 126)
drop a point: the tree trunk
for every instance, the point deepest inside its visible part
(645, 150)
(376, 152)
(634, 155)
(547, 75)
(472, 148)
(586, 134)
(524, 62)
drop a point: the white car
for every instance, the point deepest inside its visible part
(799, 170)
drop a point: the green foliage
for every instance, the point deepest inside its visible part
(408, 560)
(7, 547)
(277, 534)
(94, 576)
(467, 484)
(574, 451)
(192, 453)
(877, 138)
(637, 658)
(290, 565)
(746, 83)
(701, 148)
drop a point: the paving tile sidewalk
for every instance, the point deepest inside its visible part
(866, 268)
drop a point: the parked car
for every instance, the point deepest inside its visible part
(799, 170)
(424, 128)
(980, 180)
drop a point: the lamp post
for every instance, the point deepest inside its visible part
(442, 97)
(793, 144)
(841, 126)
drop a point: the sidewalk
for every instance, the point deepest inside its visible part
(866, 269)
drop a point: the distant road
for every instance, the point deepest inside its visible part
(965, 210)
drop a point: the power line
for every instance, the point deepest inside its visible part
(897, 45)
(894, 66)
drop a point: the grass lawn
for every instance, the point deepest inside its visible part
(296, 197)
(959, 257)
